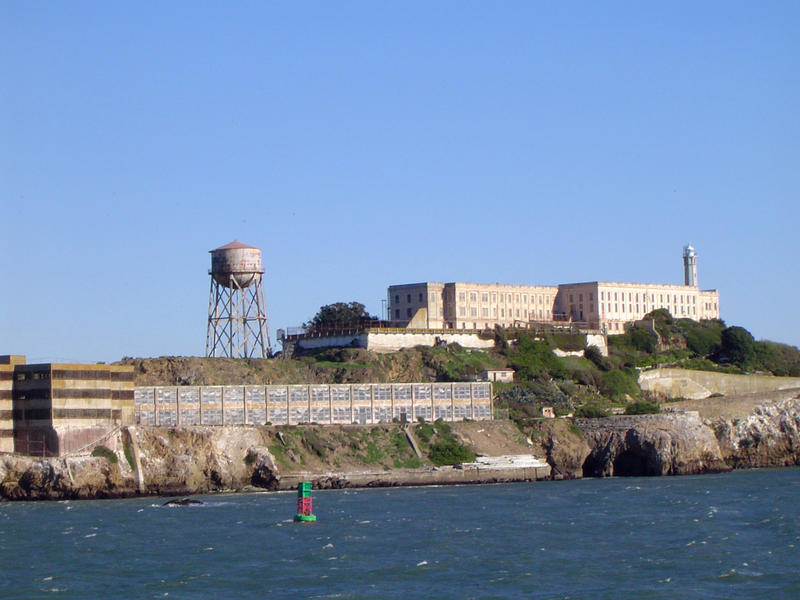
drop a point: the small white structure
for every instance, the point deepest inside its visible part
(503, 375)
(548, 412)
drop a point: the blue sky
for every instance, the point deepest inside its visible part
(364, 144)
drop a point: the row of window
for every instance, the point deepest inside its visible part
(634, 296)
(505, 298)
(503, 313)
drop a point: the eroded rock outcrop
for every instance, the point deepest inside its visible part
(564, 446)
(769, 437)
(664, 444)
(85, 477)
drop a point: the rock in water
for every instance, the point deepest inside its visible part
(182, 502)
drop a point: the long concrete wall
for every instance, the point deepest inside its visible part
(391, 342)
(324, 404)
(696, 385)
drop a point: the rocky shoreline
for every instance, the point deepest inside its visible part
(196, 460)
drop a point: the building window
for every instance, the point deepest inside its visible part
(408, 298)
(408, 312)
(473, 297)
(484, 312)
(509, 298)
(570, 298)
(494, 297)
(397, 299)
(580, 297)
(516, 297)
(420, 297)
(518, 313)
(503, 312)
(473, 312)
(462, 312)
(397, 314)
(462, 297)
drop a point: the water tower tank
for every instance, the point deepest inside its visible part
(236, 262)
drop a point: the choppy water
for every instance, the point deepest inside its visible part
(715, 536)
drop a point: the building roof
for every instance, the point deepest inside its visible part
(235, 244)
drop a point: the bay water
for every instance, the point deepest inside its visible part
(714, 536)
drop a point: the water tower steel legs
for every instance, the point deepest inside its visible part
(237, 320)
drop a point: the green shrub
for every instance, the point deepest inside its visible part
(616, 384)
(126, 448)
(703, 337)
(601, 362)
(642, 408)
(590, 411)
(778, 359)
(104, 452)
(641, 339)
(737, 346)
(449, 452)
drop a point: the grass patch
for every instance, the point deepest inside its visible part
(104, 452)
(126, 449)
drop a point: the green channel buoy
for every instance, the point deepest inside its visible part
(305, 512)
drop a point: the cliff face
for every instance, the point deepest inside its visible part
(768, 437)
(564, 445)
(28, 478)
(191, 460)
(665, 444)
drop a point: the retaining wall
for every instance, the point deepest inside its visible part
(695, 385)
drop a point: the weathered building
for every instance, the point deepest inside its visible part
(62, 408)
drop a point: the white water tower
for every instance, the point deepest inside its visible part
(237, 315)
(689, 266)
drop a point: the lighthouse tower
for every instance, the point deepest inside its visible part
(689, 266)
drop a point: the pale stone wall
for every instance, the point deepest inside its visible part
(696, 385)
(391, 342)
(599, 340)
(394, 340)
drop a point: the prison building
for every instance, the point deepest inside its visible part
(59, 409)
(598, 305)
(365, 403)
(595, 305)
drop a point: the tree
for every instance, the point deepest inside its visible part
(738, 345)
(340, 315)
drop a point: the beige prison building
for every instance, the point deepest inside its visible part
(599, 305)
(55, 409)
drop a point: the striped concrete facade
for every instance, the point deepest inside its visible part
(62, 408)
(6, 418)
(324, 404)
